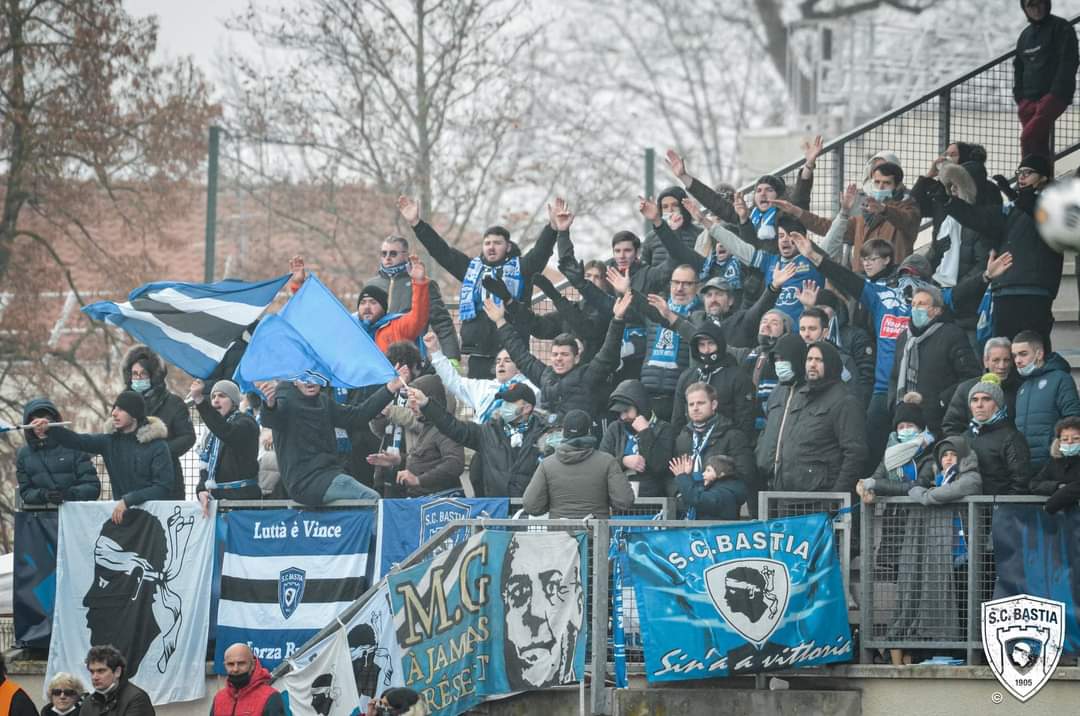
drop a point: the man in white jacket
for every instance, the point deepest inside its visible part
(477, 393)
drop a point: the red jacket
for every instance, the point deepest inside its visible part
(258, 698)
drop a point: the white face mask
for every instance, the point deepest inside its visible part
(784, 371)
(669, 216)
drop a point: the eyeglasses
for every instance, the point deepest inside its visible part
(70, 693)
(390, 254)
(1025, 172)
(683, 283)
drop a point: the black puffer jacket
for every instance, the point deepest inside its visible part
(653, 252)
(509, 463)
(42, 465)
(821, 442)
(734, 391)
(239, 453)
(167, 406)
(1004, 458)
(655, 443)
(1046, 59)
(725, 439)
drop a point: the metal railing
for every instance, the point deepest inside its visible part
(916, 590)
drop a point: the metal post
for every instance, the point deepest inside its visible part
(944, 119)
(601, 573)
(866, 582)
(211, 203)
(974, 573)
(650, 181)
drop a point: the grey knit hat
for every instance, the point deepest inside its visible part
(990, 385)
(230, 389)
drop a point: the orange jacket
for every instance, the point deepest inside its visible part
(408, 326)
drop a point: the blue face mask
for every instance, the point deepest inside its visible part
(920, 317)
(1027, 370)
(508, 412)
(141, 385)
(784, 372)
(882, 195)
(907, 434)
(1070, 450)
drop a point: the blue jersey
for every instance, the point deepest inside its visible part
(889, 304)
(788, 300)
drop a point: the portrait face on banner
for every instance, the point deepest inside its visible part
(544, 604)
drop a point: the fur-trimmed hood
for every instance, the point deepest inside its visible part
(157, 367)
(152, 429)
(956, 175)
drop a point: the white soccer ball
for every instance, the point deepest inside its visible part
(1058, 215)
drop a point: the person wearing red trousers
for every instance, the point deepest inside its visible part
(1044, 75)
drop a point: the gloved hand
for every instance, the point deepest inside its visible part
(1003, 184)
(1026, 199)
(55, 497)
(497, 288)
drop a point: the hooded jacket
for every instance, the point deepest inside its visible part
(304, 439)
(1045, 397)
(258, 698)
(821, 436)
(238, 458)
(508, 462)
(1046, 59)
(898, 225)
(945, 359)
(478, 336)
(399, 296)
(167, 406)
(720, 500)
(126, 699)
(967, 482)
(138, 462)
(1059, 479)
(436, 460)
(734, 390)
(653, 252)
(577, 481)
(42, 465)
(655, 443)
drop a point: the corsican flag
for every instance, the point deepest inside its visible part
(314, 338)
(142, 586)
(191, 325)
(286, 574)
(325, 685)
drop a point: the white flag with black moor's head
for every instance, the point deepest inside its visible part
(323, 686)
(143, 586)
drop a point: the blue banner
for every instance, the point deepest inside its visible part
(1039, 554)
(404, 525)
(741, 598)
(286, 574)
(499, 613)
(35, 576)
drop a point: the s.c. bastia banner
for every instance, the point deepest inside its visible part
(741, 598)
(499, 613)
(143, 586)
(285, 574)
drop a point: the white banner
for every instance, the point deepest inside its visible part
(323, 686)
(142, 586)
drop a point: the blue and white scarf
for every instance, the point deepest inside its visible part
(393, 432)
(497, 402)
(764, 222)
(211, 453)
(472, 289)
(391, 271)
(699, 439)
(730, 269)
(665, 349)
(996, 418)
(344, 445)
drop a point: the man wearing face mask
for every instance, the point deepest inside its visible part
(713, 364)
(248, 689)
(755, 363)
(1046, 395)
(932, 356)
(788, 360)
(507, 442)
(1004, 457)
(821, 445)
(641, 442)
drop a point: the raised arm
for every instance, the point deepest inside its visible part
(451, 259)
(841, 276)
(606, 360)
(559, 220)
(719, 205)
(467, 434)
(735, 246)
(531, 367)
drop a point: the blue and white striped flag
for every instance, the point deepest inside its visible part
(191, 325)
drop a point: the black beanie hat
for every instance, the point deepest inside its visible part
(133, 404)
(375, 292)
(576, 424)
(400, 698)
(909, 410)
(775, 182)
(516, 392)
(1040, 164)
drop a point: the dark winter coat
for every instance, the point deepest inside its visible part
(304, 439)
(238, 458)
(931, 197)
(654, 251)
(1060, 480)
(725, 439)
(1046, 60)
(1004, 458)
(478, 336)
(734, 391)
(945, 359)
(655, 443)
(167, 406)
(42, 465)
(435, 459)
(958, 413)
(577, 481)
(399, 300)
(582, 387)
(1045, 397)
(820, 434)
(138, 463)
(126, 700)
(507, 469)
(720, 500)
